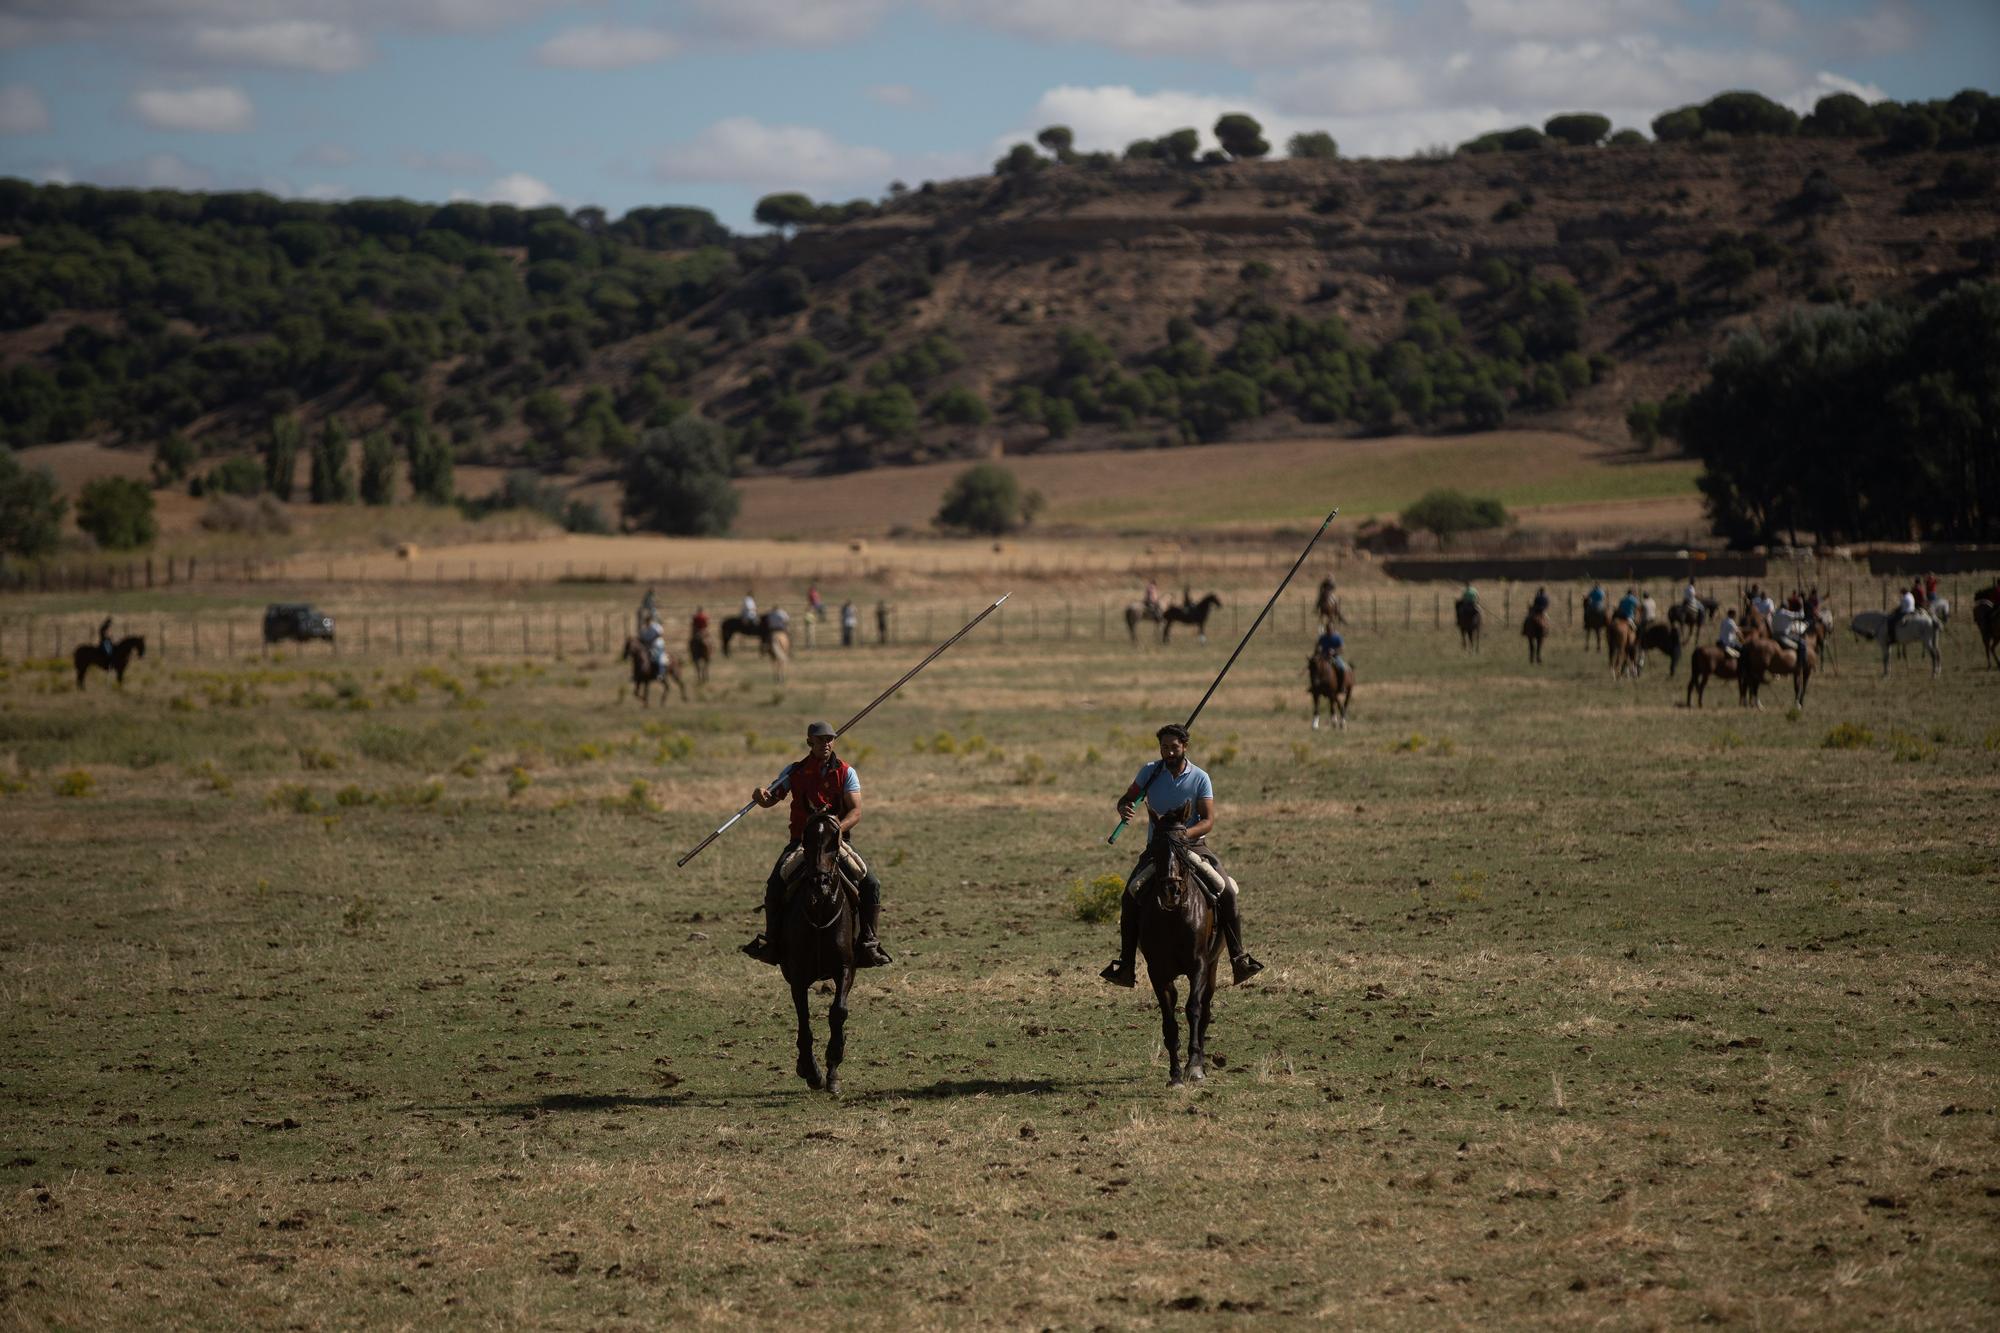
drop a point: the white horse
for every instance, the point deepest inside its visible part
(1916, 627)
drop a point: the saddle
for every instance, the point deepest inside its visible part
(852, 871)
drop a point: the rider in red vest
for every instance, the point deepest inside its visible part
(820, 781)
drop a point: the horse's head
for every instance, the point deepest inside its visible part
(821, 842)
(1168, 852)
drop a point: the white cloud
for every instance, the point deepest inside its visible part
(1824, 83)
(217, 110)
(894, 94)
(326, 155)
(742, 150)
(1568, 18)
(447, 163)
(22, 110)
(603, 47)
(324, 191)
(1352, 87)
(516, 187)
(325, 48)
(1247, 33)
(789, 22)
(1620, 75)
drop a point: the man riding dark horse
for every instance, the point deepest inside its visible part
(821, 781)
(104, 643)
(1180, 804)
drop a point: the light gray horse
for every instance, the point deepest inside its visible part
(1916, 627)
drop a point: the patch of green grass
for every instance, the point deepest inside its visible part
(1848, 736)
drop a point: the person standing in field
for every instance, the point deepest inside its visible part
(881, 622)
(820, 781)
(1180, 804)
(849, 622)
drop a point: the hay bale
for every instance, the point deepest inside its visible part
(406, 550)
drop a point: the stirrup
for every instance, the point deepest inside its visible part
(1121, 973)
(870, 953)
(1243, 967)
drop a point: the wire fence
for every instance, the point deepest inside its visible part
(545, 633)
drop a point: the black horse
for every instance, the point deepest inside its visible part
(758, 629)
(88, 655)
(821, 917)
(1192, 613)
(1179, 937)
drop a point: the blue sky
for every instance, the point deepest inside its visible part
(715, 102)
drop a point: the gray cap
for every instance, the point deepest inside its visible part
(820, 729)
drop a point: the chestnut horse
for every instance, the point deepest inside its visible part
(821, 918)
(1335, 684)
(88, 655)
(1765, 658)
(1535, 629)
(1703, 663)
(1621, 641)
(643, 674)
(1179, 937)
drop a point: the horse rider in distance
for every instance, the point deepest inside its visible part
(104, 643)
(1172, 788)
(1727, 638)
(1628, 608)
(1149, 600)
(821, 781)
(1329, 645)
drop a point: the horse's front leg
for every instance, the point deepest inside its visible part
(808, 1069)
(1170, 1031)
(1197, 1063)
(836, 1022)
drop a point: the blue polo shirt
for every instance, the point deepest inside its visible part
(1169, 792)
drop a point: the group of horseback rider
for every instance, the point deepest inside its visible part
(1178, 795)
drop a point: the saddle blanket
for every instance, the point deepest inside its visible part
(1214, 879)
(851, 863)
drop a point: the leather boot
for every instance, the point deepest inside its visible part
(1123, 971)
(1241, 965)
(765, 947)
(868, 951)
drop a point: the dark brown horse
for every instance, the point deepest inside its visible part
(1179, 937)
(1595, 618)
(1690, 619)
(1194, 613)
(88, 655)
(1703, 663)
(1535, 629)
(1333, 683)
(1469, 619)
(1986, 615)
(698, 653)
(1660, 637)
(643, 675)
(821, 917)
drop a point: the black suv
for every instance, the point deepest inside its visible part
(296, 621)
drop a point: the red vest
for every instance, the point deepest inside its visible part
(815, 789)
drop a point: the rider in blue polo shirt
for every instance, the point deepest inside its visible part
(1181, 797)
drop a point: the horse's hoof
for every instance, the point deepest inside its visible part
(1197, 1074)
(833, 1085)
(1176, 1082)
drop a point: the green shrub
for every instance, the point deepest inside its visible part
(76, 782)
(1848, 736)
(294, 798)
(1096, 899)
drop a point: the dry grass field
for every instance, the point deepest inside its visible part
(362, 990)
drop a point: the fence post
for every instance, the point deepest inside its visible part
(524, 627)
(430, 648)
(1406, 610)
(461, 634)
(558, 636)
(230, 648)
(399, 634)
(1375, 611)
(1437, 610)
